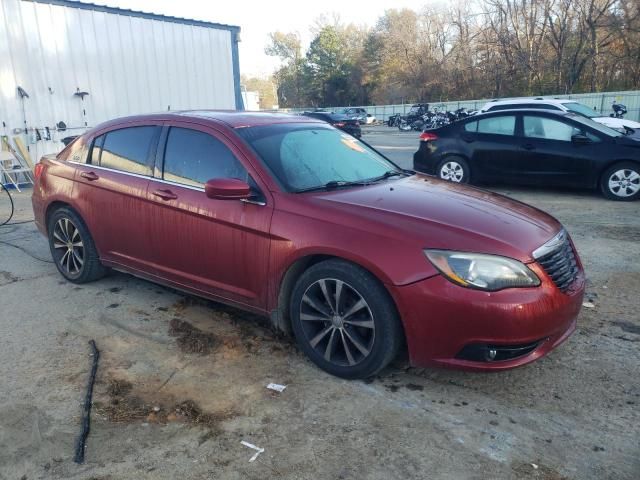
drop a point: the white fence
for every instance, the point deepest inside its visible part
(601, 102)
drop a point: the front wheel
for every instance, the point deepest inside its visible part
(344, 319)
(454, 169)
(621, 182)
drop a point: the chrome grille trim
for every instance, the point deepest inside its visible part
(551, 245)
(558, 260)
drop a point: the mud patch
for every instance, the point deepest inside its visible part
(7, 277)
(628, 233)
(122, 405)
(253, 333)
(628, 327)
(414, 387)
(191, 339)
(542, 472)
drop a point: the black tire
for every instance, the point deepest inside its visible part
(378, 331)
(611, 184)
(454, 169)
(82, 264)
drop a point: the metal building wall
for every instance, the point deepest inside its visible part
(128, 62)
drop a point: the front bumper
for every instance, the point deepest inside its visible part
(441, 319)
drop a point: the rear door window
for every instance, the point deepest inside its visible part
(503, 125)
(129, 149)
(77, 151)
(193, 157)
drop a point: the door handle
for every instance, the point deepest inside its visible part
(89, 176)
(528, 146)
(165, 194)
(467, 138)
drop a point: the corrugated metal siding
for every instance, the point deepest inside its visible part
(600, 101)
(127, 63)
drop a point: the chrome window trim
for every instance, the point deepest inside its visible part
(181, 185)
(552, 245)
(160, 180)
(91, 166)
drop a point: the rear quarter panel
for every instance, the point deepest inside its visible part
(449, 143)
(55, 184)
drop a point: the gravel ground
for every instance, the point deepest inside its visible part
(181, 382)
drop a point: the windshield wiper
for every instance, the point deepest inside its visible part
(333, 184)
(388, 174)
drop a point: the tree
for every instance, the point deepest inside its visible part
(290, 85)
(483, 48)
(265, 87)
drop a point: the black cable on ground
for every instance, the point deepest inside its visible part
(86, 413)
(12, 205)
(6, 222)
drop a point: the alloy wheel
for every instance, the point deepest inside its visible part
(337, 322)
(452, 171)
(68, 247)
(624, 182)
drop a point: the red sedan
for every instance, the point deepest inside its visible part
(289, 217)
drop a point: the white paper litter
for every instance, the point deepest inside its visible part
(277, 387)
(535, 467)
(252, 446)
(588, 305)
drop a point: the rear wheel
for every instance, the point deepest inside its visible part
(344, 319)
(72, 247)
(454, 169)
(621, 182)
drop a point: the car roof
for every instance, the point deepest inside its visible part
(557, 113)
(515, 101)
(232, 118)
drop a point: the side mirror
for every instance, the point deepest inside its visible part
(227, 189)
(580, 139)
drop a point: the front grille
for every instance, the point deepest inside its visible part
(559, 260)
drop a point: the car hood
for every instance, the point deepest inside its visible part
(430, 213)
(613, 122)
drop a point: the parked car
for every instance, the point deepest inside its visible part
(360, 114)
(338, 120)
(289, 217)
(355, 113)
(621, 124)
(533, 147)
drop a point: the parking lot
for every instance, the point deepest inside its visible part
(181, 382)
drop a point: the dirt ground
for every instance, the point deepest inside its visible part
(181, 382)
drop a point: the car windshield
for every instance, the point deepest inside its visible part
(581, 109)
(597, 126)
(304, 156)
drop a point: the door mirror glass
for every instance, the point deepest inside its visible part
(580, 139)
(227, 189)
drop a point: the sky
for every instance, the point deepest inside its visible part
(258, 18)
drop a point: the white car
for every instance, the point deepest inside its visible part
(620, 124)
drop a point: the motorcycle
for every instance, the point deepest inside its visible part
(394, 120)
(619, 110)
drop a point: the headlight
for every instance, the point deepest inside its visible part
(480, 271)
